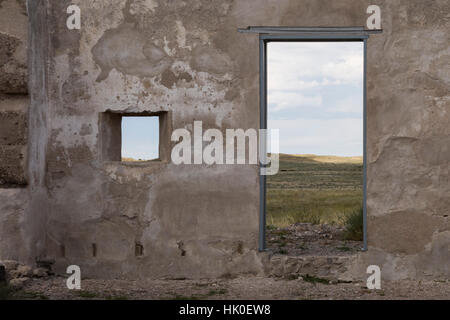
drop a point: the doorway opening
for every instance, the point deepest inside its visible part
(313, 92)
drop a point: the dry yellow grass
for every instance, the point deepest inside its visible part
(331, 159)
(130, 160)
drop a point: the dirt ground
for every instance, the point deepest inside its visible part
(250, 288)
(295, 240)
(307, 238)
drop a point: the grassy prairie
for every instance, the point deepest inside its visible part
(316, 189)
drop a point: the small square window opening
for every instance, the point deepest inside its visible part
(140, 138)
(135, 137)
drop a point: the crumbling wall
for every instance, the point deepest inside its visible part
(14, 102)
(187, 59)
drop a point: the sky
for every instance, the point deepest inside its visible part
(315, 97)
(140, 138)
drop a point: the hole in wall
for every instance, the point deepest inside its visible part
(62, 249)
(181, 248)
(240, 247)
(135, 137)
(94, 249)
(138, 249)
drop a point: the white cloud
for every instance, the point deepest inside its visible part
(351, 104)
(305, 65)
(282, 100)
(320, 136)
(346, 70)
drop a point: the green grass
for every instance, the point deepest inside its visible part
(344, 249)
(5, 292)
(8, 293)
(354, 225)
(313, 279)
(30, 295)
(314, 189)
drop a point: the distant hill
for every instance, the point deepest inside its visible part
(323, 159)
(317, 172)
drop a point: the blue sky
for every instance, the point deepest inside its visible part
(315, 97)
(140, 137)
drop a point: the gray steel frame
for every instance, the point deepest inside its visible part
(267, 34)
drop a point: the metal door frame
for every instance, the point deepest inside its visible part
(307, 34)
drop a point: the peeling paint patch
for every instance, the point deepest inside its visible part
(170, 52)
(181, 36)
(130, 52)
(143, 5)
(402, 232)
(211, 60)
(169, 79)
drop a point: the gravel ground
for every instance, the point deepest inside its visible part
(251, 288)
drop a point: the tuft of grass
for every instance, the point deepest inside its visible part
(200, 296)
(202, 284)
(8, 293)
(314, 280)
(5, 292)
(354, 226)
(30, 295)
(114, 297)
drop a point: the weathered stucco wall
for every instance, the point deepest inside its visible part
(192, 221)
(187, 58)
(409, 140)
